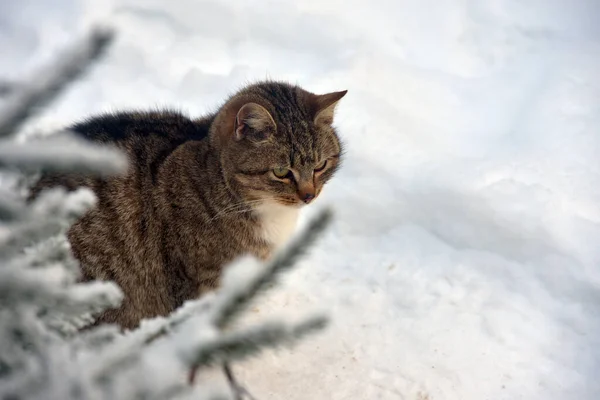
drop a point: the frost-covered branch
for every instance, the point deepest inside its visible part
(46, 217)
(50, 82)
(62, 153)
(234, 302)
(37, 274)
(240, 345)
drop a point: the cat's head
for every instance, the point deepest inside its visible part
(277, 142)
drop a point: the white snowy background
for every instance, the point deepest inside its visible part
(465, 259)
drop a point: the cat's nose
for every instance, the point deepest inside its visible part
(307, 197)
(306, 190)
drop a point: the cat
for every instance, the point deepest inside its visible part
(199, 193)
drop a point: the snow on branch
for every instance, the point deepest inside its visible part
(237, 299)
(47, 216)
(239, 345)
(62, 152)
(50, 82)
(37, 274)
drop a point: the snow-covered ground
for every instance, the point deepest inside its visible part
(465, 260)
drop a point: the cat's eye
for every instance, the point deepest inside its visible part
(281, 172)
(321, 166)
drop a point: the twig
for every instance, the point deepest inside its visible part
(242, 344)
(238, 390)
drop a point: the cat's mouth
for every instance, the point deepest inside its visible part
(283, 200)
(290, 202)
(301, 199)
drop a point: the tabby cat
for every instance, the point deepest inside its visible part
(199, 193)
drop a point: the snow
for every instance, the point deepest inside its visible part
(464, 260)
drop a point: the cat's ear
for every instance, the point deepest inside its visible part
(324, 106)
(254, 122)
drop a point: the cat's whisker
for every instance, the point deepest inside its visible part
(240, 204)
(236, 208)
(236, 212)
(239, 208)
(231, 207)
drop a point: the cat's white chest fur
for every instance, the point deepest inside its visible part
(277, 222)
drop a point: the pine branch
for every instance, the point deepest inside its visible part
(148, 333)
(54, 250)
(48, 216)
(235, 301)
(188, 310)
(242, 344)
(62, 153)
(29, 233)
(32, 97)
(45, 287)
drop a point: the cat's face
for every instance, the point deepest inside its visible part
(281, 145)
